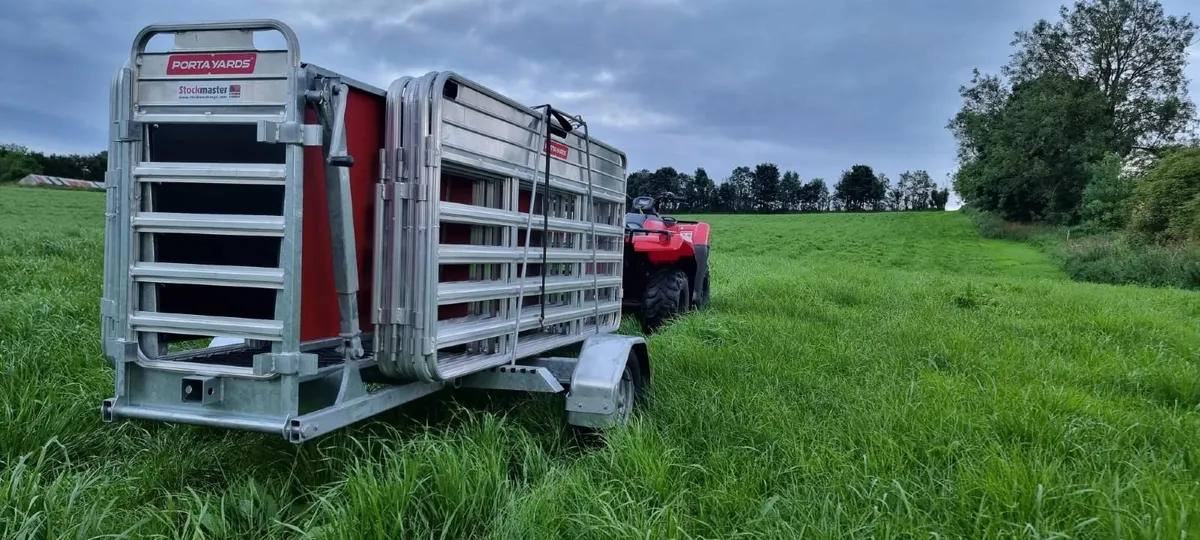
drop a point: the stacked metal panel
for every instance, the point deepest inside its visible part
(481, 257)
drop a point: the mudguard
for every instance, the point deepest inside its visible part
(592, 400)
(701, 270)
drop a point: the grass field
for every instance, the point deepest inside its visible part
(856, 376)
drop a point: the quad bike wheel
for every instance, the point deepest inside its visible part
(667, 296)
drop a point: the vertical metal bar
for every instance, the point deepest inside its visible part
(591, 213)
(287, 303)
(528, 237)
(545, 216)
(332, 113)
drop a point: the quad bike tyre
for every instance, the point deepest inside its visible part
(667, 296)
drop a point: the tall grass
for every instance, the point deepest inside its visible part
(1098, 256)
(856, 376)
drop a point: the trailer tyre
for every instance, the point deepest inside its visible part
(666, 297)
(631, 396)
(631, 390)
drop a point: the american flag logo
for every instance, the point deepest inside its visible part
(235, 90)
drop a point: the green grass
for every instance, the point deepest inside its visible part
(856, 376)
(1094, 255)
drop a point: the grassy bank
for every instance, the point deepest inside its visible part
(886, 375)
(1099, 256)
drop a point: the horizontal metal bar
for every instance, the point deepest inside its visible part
(204, 325)
(451, 366)
(196, 417)
(255, 77)
(194, 368)
(219, 224)
(215, 118)
(480, 215)
(464, 160)
(325, 420)
(475, 291)
(468, 254)
(199, 274)
(514, 378)
(205, 173)
(470, 329)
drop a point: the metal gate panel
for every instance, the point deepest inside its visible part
(471, 192)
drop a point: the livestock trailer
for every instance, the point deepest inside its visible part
(351, 248)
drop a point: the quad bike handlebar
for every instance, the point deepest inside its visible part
(649, 205)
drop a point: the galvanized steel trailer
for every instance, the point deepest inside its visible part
(334, 235)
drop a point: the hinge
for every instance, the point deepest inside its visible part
(386, 173)
(427, 346)
(129, 131)
(403, 190)
(289, 133)
(391, 164)
(431, 152)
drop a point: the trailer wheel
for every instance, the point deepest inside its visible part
(666, 297)
(631, 395)
(629, 390)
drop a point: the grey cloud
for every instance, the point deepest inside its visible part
(813, 86)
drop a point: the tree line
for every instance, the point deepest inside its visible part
(766, 189)
(17, 162)
(1089, 123)
(762, 189)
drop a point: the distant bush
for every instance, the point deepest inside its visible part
(1111, 258)
(1106, 197)
(1095, 254)
(992, 225)
(1165, 207)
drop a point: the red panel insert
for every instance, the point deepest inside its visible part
(319, 316)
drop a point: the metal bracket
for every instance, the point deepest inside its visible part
(427, 346)
(590, 404)
(129, 131)
(518, 378)
(112, 178)
(108, 307)
(285, 364)
(391, 190)
(289, 133)
(390, 167)
(121, 350)
(201, 389)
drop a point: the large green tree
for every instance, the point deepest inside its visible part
(1133, 51)
(789, 191)
(859, 189)
(1033, 155)
(1030, 159)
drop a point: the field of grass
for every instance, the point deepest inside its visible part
(856, 376)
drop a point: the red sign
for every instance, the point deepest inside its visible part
(558, 150)
(211, 64)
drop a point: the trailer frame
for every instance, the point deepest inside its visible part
(292, 374)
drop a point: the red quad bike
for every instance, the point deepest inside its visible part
(666, 263)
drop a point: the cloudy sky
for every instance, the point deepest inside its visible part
(814, 86)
